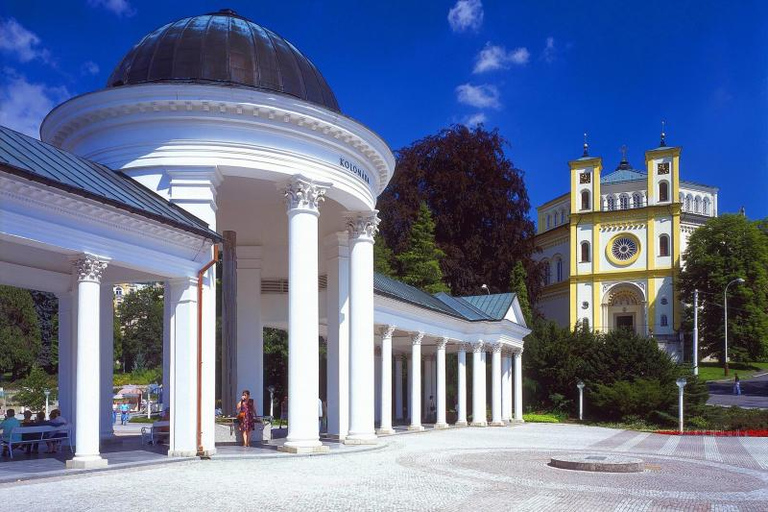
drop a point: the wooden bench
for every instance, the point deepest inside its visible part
(36, 435)
(152, 434)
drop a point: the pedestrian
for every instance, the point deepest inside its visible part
(736, 385)
(432, 410)
(319, 415)
(246, 416)
(284, 411)
(114, 413)
(124, 410)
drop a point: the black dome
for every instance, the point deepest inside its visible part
(223, 48)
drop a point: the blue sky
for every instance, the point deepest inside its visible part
(543, 72)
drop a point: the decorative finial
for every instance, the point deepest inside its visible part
(624, 153)
(586, 146)
(663, 142)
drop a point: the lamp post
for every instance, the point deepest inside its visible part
(485, 287)
(725, 308)
(580, 385)
(47, 395)
(681, 382)
(271, 390)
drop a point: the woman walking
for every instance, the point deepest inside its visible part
(246, 416)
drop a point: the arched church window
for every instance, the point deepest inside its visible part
(559, 267)
(624, 202)
(688, 199)
(663, 191)
(547, 273)
(585, 200)
(664, 245)
(637, 200)
(705, 206)
(697, 204)
(549, 221)
(584, 252)
(610, 202)
(562, 216)
(682, 200)
(664, 321)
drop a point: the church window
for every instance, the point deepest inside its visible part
(118, 291)
(562, 217)
(705, 206)
(585, 200)
(549, 221)
(688, 199)
(682, 200)
(559, 266)
(624, 202)
(663, 191)
(624, 248)
(547, 273)
(664, 245)
(584, 252)
(664, 322)
(610, 203)
(697, 204)
(637, 200)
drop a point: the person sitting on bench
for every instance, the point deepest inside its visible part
(8, 424)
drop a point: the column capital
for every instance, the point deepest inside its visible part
(89, 268)
(416, 338)
(442, 342)
(362, 226)
(303, 194)
(518, 353)
(387, 331)
(464, 346)
(496, 347)
(478, 347)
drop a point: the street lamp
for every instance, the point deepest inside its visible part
(725, 307)
(485, 287)
(580, 385)
(47, 394)
(271, 390)
(681, 382)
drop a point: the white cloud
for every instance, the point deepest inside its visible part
(494, 57)
(23, 105)
(90, 68)
(480, 96)
(549, 50)
(466, 15)
(475, 119)
(119, 7)
(16, 39)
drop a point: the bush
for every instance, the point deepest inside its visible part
(551, 417)
(638, 398)
(139, 377)
(31, 391)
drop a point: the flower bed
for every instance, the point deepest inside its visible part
(716, 433)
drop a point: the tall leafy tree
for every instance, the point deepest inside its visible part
(141, 319)
(517, 283)
(479, 202)
(419, 263)
(383, 257)
(726, 248)
(47, 306)
(19, 331)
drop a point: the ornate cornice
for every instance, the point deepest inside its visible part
(362, 225)
(416, 338)
(478, 347)
(304, 194)
(496, 347)
(89, 268)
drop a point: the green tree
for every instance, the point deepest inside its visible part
(419, 264)
(47, 307)
(383, 257)
(32, 388)
(19, 331)
(726, 248)
(517, 283)
(141, 319)
(479, 202)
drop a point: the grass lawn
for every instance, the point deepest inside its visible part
(714, 371)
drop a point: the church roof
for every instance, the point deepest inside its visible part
(621, 175)
(223, 48)
(35, 160)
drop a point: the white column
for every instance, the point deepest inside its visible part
(194, 189)
(182, 376)
(88, 269)
(250, 331)
(106, 356)
(377, 363)
(441, 401)
(362, 228)
(496, 418)
(386, 380)
(506, 387)
(461, 420)
(399, 387)
(478, 385)
(167, 317)
(519, 386)
(415, 383)
(303, 198)
(409, 385)
(67, 368)
(337, 304)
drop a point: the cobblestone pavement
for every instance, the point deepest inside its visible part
(457, 469)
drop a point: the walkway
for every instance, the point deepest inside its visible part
(457, 469)
(754, 393)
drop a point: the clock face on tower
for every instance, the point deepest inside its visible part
(623, 249)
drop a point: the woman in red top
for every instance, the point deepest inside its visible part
(246, 416)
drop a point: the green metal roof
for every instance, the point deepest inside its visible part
(383, 285)
(35, 160)
(495, 306)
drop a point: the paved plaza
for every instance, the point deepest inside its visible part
(455, 469)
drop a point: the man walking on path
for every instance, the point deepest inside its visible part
(736, 384)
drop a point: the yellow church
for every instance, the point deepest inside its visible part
(612, 246)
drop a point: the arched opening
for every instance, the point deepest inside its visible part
(549, 221)
(624, 308)
(663, 191)
(663, 321)
(637, 200)
(610, 203)
(688, 200)
(664, 245)
(697, 204)
(624, 202)
(559, 269)
(547, 273)
(585, 200)
(584, 252)
(706, 206)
